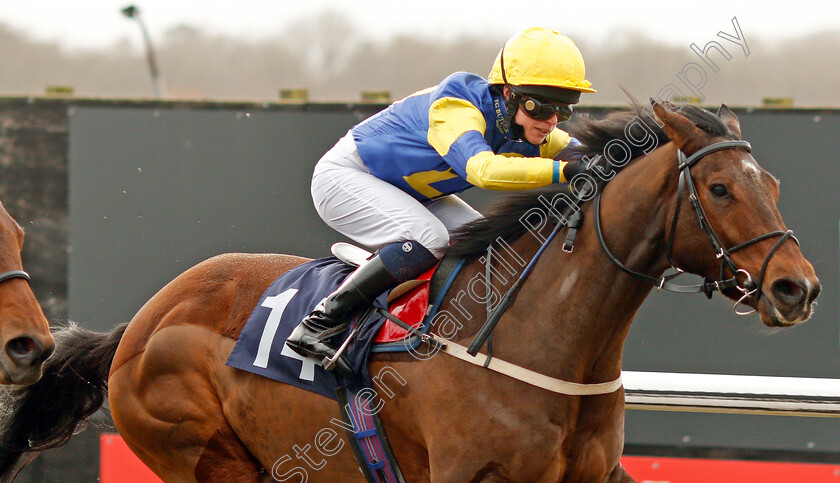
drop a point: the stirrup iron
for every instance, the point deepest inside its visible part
(329, 363)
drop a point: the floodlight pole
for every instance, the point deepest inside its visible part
(133, 12)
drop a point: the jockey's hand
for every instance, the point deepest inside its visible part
(572, 169)
(596, 166)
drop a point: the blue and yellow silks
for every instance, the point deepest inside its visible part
(451, 137)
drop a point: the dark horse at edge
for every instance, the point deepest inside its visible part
(25, 338)
(189, 417)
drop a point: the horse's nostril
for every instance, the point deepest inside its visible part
(21, 346)
(814, 293)
(24, 350)
(789, 292)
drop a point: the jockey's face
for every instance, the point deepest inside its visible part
(535, 131)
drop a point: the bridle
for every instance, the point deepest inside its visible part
(14, 274)
(748, 288)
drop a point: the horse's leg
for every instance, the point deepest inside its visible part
(620, 475)
(165, 405)
(492, 473)
(595, 446)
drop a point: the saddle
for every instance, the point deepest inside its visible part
(408, 302)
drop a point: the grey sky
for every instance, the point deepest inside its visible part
(98, 23)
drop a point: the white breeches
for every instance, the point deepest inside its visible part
(376, 213)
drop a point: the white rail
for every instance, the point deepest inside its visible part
(713, 393)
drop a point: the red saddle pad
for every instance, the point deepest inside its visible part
(409, 307)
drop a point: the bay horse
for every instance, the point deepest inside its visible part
(25, 338)
(189, 417)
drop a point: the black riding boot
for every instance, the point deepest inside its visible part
(360, 289)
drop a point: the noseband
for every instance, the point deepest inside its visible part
(686, 183)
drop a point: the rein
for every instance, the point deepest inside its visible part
(570, 217)
(686, 183)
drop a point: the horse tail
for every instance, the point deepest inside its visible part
(73, 386)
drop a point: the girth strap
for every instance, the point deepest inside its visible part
(367, 438)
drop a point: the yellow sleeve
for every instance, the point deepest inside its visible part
(509, 173)
(556, 141)
(449, 119)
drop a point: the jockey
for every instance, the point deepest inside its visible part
(388, 184)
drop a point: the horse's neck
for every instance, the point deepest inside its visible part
(576, 308)
(634, 208)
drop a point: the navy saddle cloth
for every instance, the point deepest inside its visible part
(261, 347)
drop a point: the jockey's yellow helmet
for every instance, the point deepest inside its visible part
(539, 61)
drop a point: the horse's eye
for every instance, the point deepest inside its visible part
(719, 190)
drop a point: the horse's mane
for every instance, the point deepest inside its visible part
(503, 218)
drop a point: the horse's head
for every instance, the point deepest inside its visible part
(743, 237)
(25, 338)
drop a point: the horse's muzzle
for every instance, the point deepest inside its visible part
(25, 356)
(791, 301)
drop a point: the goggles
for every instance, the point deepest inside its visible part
(542, 110)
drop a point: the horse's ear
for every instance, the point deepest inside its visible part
(730, 119)
(678, 128)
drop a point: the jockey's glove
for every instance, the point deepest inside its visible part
(597, 166)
